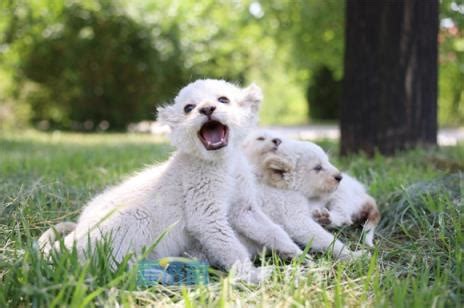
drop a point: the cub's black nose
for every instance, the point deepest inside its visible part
(338, 177)
(207, 111)
(276, 141)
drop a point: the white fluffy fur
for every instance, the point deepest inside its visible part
(294, 165)
(287, 207)
(192, 192)
(349, 204)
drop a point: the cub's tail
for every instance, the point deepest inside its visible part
(372, 220)
(49, 237)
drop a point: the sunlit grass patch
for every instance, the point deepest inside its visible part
(46, 178)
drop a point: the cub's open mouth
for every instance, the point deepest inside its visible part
(214, 135)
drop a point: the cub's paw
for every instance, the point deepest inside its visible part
(322, 216)
(245, 271)
(291, 252)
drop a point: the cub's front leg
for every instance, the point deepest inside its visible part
(304, 230)
(247, 217)
(331, 218)
(252, 223)
(207, 222)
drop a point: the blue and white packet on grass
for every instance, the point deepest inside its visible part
(172, 271)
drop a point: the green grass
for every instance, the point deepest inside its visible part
(47, 178)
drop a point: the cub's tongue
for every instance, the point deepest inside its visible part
(213, 132)
(214, 135)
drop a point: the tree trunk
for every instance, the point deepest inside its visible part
(390, 85)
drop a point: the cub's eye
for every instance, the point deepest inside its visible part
(260, 138)
(317, 168)
(188, 108)
(223, 100)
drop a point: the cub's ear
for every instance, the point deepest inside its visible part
(275, 168)
(278, 163)
(166, 115)
(252, 97)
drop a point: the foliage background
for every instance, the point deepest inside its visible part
(99, 64)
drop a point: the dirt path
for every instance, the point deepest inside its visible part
(446, 136)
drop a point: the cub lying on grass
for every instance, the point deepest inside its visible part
(335, 199)
(204, 193)
(290, 208)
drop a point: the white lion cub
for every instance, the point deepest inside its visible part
(204, 193)
(290, 208)
(336, 199)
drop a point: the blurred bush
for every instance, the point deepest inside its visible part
(13, 115)
(99, 63)
(100, 67)
(324, 95)
(451, 63)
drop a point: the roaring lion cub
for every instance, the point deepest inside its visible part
(203, 195)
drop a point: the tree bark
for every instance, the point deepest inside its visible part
(389, 98)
